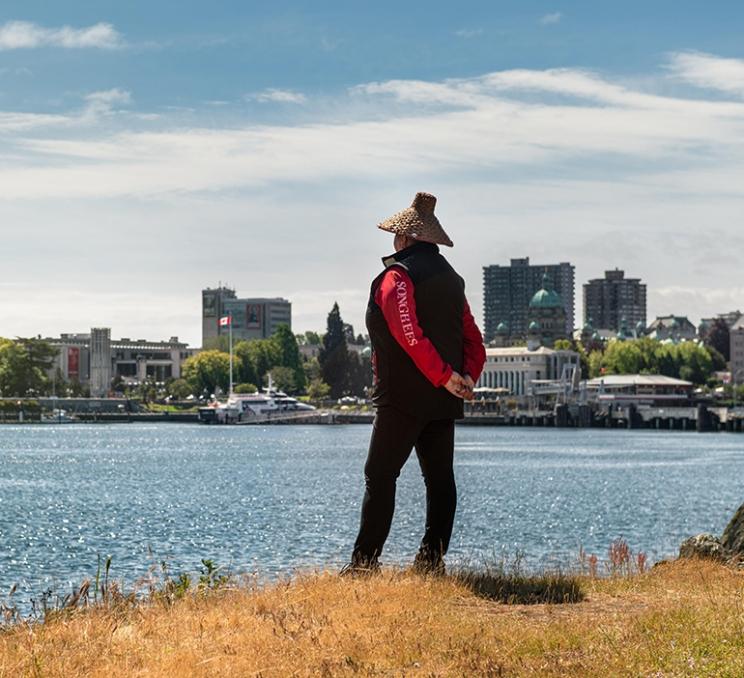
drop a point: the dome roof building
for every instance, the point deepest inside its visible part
(546, 296)
(546, 316)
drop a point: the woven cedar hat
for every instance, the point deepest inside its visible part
(418, 221)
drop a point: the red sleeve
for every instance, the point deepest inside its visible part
(396, 299)
(475, 352)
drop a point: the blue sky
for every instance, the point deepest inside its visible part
(150, 149)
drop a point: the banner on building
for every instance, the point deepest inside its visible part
(253, 316)
(73, 362)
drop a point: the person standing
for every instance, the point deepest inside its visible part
(427, 355)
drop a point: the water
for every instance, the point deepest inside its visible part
(272, 499)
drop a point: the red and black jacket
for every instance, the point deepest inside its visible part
(421, 329)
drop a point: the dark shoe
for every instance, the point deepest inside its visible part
(426, 564)
(360, 567)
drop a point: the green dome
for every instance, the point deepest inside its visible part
(640, 327)
(546, 296)
(588, 326)
(534, 326)
(502, 328)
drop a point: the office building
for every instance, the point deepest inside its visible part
(610, 300)
(508, 290)
(94, 359)
(517, 369)
(252, 318)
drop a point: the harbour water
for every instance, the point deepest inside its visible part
(277, 498)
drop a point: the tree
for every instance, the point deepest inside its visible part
(245, 388)
(359, 373)
(334, 354)
(208, 370)
(719, 362)
(719, 338)
(318, 389)
(24, 365)
(257, 356)
(180, 389)
(289, 357)
(312, 370)
(312, 338)
(687, 360)
(283, 378)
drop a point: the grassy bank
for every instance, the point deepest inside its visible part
(679, 619)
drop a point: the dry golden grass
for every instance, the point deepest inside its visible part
(680, 619)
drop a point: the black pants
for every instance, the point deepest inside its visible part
(393, 437)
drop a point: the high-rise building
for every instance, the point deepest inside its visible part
(507, 291)
(252, 318)
(613, 299)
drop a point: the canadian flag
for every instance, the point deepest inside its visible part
(225, 321)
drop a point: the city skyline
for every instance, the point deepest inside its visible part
(143, 159)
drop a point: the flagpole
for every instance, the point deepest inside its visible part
(229, 325)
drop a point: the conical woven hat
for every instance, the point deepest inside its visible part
(418, 221)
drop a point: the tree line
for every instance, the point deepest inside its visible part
(335, 372)
(686, 360)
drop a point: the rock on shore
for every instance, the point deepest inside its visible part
(730, 546)
(733, 536)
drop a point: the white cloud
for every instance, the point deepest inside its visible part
(14, 122)
(27, 35)
(706, 70)
(558, 164)
(552, 18)
(282, 96)
(468, 33)
(105, 101)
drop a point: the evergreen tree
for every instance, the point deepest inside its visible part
(719, 338)
(334, 355)
(289, 356)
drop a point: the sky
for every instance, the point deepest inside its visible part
(148, 150)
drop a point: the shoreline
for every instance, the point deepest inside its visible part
(677, 619)
(665, 422)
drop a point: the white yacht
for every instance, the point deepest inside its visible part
(242, 407)
(286, 403)
(58, 416)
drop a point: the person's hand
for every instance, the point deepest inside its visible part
(456, 385)
(469, 387)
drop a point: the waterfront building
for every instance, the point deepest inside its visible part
(252, 318)
(648, 389)
(610, 299)
(737, 351)
(675, 328)
(507, 291)
(517, 368)
(95, 359)
(547, 316)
